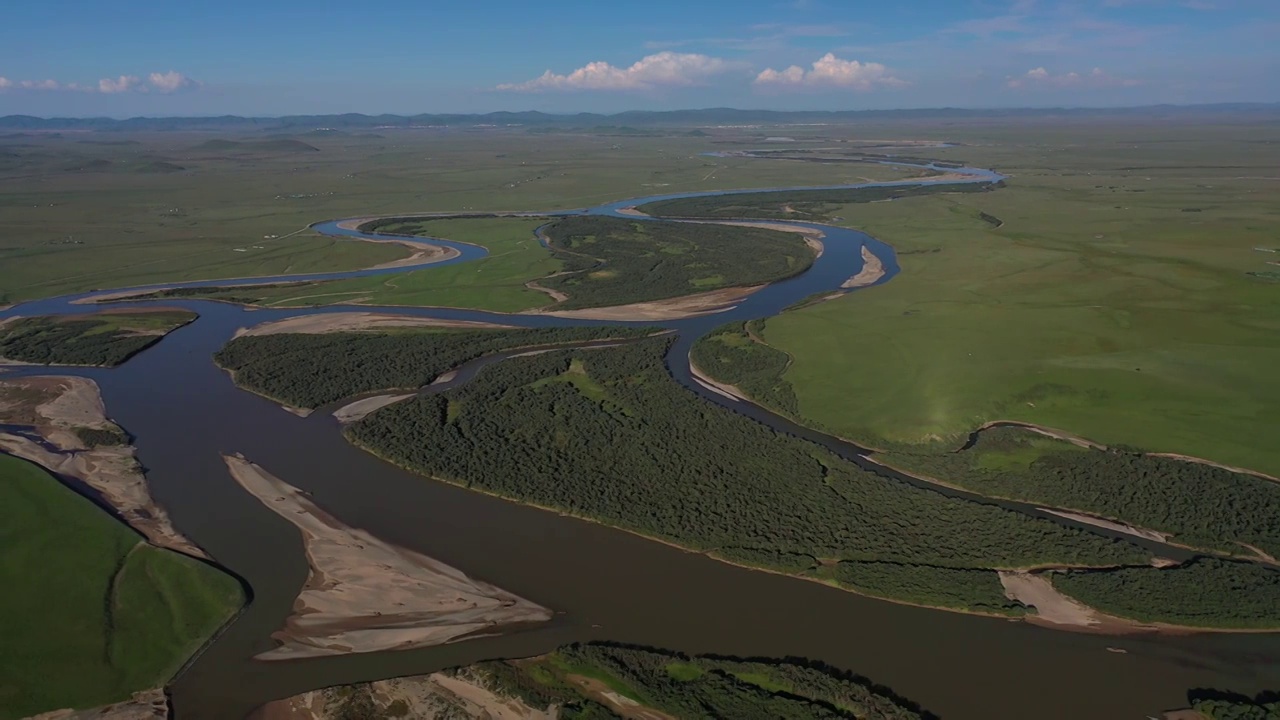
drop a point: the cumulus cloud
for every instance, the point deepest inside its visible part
(124, 83)
(831, 71)
(170, 82)
(1040, 77)
(664, 69)
(159, 82)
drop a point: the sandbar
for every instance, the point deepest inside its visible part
(360, 409)
(145, 705)
(347, 321)
(1110, 525)
(670, 309)
(55, 406)
(421, 695)
(367, 595)
(871, 272)
(1057, 610)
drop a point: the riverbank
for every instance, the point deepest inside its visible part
(358, 321)
(63, 411)
(366, 595)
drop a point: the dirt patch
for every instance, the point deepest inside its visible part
(423, 696)
(145, 705)
(872, 270)
(670, 309)
(349, 321)
(1057, 610)
(55, 406)
(620, 704)
(556, 295)
(366, 595)
(360, 409)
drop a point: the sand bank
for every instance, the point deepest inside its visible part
(1056, 610)
(360, 409)
(872, 270)
(145, 705)
(348, 321)
(631, 210)
(670, 309)
(366, 595)
(1110, 525)
(423, 254)
(732, 392)
(55, 406)
(424, 696)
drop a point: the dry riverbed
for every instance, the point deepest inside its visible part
(55, 407)
(366, 595)
(669, 309)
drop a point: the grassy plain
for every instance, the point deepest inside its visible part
(80, 215)
(1114, 301)
(90, 613)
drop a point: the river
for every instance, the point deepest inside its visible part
(603, 584)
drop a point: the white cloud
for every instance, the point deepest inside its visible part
(1040, 77)
(171, 81)
(831, 71)
(664, 69)
(160, 82)
(124, 83)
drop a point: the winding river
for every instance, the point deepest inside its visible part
(604, 584)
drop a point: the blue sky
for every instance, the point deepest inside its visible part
(275, 57)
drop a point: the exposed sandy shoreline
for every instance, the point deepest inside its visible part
(349, 321)
(872, 270)
(424, 696)
(145, 705)
(1110, 525)
(360, 409)
(55, 406)
(366, 595)
(423, 254)
(1057, 610)
(670, 309)
(730, 391)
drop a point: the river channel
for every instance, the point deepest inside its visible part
(603, 584)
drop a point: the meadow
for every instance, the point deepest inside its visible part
(1118, 288)
(78, 213)
(91, 614)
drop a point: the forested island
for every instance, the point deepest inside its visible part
(107, 338)
(598, 681)
(609, 436)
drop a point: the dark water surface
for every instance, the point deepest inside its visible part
(604, 584)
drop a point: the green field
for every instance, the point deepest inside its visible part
(1116, 301)
(106, 339)
(91, 614)
(81, 216)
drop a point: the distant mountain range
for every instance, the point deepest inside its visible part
(635, 118)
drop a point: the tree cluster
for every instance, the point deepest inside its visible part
(1198, 504)
(615, 261)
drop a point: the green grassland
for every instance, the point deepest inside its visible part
(174, 206)
(91, 613)
(494, 282)
(593, 261)
(106, 339)
(1115, 301)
